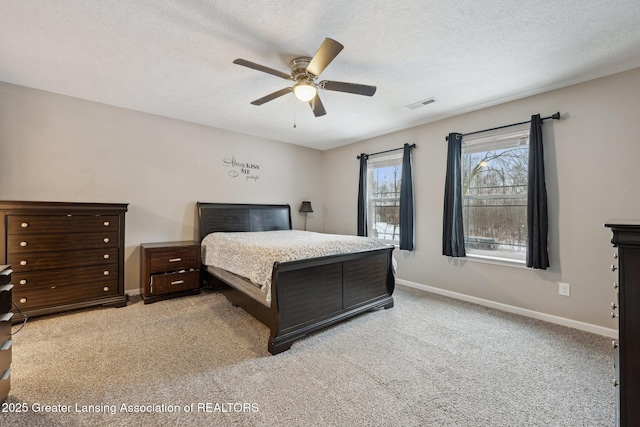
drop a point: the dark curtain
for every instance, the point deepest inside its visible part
(362, 197)
(537, 221)
(406, 201)
(452, 227)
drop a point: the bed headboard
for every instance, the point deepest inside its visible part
(228, 217)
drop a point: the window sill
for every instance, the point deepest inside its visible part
(507, 262)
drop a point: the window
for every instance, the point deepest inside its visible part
(494, 189)
(383, 198)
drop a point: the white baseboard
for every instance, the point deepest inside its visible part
(599, 330)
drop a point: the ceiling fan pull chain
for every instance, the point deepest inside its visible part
(294, 111)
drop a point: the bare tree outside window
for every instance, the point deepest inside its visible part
(494, 178)
(384, 198)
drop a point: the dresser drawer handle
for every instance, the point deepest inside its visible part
(106, 223)
(23, 300)
(53, 287)
(177, 282)
(106, 272)
(175, 260)
(106, 288)
(24, 225)
(106, 240)
(106, 256)
(23, 262)
(23, 281)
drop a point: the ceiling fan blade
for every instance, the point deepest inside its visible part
(317, 107)
(328, 50)
(262, 68)
(272, 96)
(355, 88)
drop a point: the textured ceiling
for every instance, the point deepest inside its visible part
(174, 58)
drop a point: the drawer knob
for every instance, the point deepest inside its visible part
(23, 281)
(23, 262)
(23, 244)
(106, 240)
(106, 256)
(106, 223)
(614, 267)
(53, 287)
(177, 282)
(175, 260)
(106, 272)
(23, 300)
(24, 225)
(106, 288)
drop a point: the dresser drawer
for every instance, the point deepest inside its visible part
(174, 259)
(38, 224)
(27, 299)
(65, 276)
(61, 259)
(17, 243)
(175, 282)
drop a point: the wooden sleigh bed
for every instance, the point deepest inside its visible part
(307, 294)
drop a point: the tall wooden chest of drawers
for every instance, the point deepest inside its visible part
(626, 237)
(5, 331)
(64, 256)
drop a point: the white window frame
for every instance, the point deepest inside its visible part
(373, 164)
(497, 140)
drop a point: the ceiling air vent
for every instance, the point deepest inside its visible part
(419, 104)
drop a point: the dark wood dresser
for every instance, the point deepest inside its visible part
(64, 256)
(169, 269)
(5, 331)
(626, 307)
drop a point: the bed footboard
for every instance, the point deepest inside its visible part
(311, 294)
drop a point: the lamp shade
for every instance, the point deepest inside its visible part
(304, 91)
(306, 207)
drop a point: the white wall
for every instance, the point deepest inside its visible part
(58, 148)
(592, 173)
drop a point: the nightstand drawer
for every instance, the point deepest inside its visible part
(5, 298)
(174, 259)
(175, 282)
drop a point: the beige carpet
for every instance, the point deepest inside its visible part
(429, 361)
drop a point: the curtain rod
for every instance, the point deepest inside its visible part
(387, 151)
(555, 116)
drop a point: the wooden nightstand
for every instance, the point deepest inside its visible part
(5, 331)
(169, 269)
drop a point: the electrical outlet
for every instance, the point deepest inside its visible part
(564, 289)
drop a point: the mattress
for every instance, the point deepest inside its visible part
(251, 255)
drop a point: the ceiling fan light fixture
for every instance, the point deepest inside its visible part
(304, 91)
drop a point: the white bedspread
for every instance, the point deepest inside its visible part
(252, 254)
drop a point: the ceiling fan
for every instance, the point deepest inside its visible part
(304, 72)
